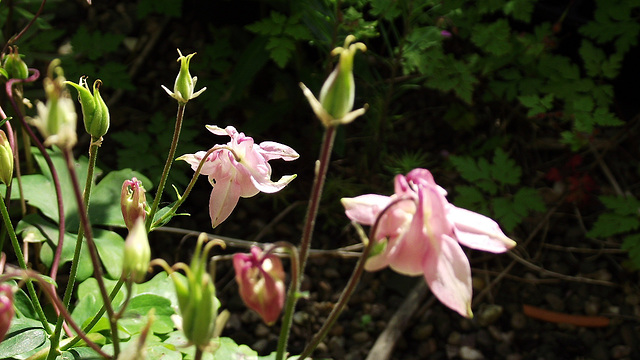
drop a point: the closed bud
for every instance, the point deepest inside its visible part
(184, 86)
(6, 309)
(14, 65)
(133, 202)
(260, 280)
(338, 91)
(197, 298)
(137, 253)
(95, 112)
(6, 159)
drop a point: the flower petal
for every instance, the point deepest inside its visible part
(449, 276)
(273, 150)
(478, 231)
(364, 209)
(224, 198)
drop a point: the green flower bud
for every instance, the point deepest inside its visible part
(57, 118)
(14, 66)
(184, 87)
(137, 253)
(6, 159)
(197, 298)
(338, 92)
(95, 112)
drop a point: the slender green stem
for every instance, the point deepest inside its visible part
(93, 252)
(66, 300)
(291, 298)
(96, 317)
(305, 243)
(186, 193)
(167, 166)
(23, 265)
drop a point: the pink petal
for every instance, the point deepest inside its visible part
(449, 276)
(364, 209)
(407, 251)
(478, 231)
(194, 160)
(229, 130)
(273, 150)
(224, 197)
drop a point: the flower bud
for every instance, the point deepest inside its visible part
(6, 309)
(133, 202)
(260, 280)
(137, 253)
(6, 159)
(197, 298)
(184, 87)
(95, 112)
(57, 118)
(338, 92)
(14, 66)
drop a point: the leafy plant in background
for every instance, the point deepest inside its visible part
(622, 218)
(490, 193)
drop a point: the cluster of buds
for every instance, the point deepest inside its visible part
(95, 112)
(260, 278)
(57, 118)
(185, 85)
(196, 295)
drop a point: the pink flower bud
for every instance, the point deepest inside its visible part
(261, 282)
(133, 202)
(6, 309)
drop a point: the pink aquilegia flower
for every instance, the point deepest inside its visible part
(260, 279)
(239, 168)
(421, 233)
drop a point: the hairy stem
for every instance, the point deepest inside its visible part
(167, 166)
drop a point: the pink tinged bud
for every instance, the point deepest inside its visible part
(133, 202)
(6, 309)
(6, 159)
(261, 283)
(421, 234)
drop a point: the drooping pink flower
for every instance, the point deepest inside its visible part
(133, 202)
(421, 233)
(260, 279)
(239, 168)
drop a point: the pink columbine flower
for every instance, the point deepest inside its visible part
(260, 279)
(6, 309)
(421, 233)
(239, 168)
(133, 202)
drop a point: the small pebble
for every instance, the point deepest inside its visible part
(331, 273)
(620, 351)
(518, 321)
(262, 330)
(454, 338)
(488, 314)
(467, 353)
(260, 346)
(300, 317)
(361, 337)
(422, 332)
(554, 301)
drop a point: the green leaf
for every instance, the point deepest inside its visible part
(95, 44)
(24, 336)
(469, 197)
(493, 38)
(504, 169)
(609, 224)
(536, 104)
(230, 350)
(280, 50)
(519, 9)
(170, 8)
(478, 172)
(135, 317)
